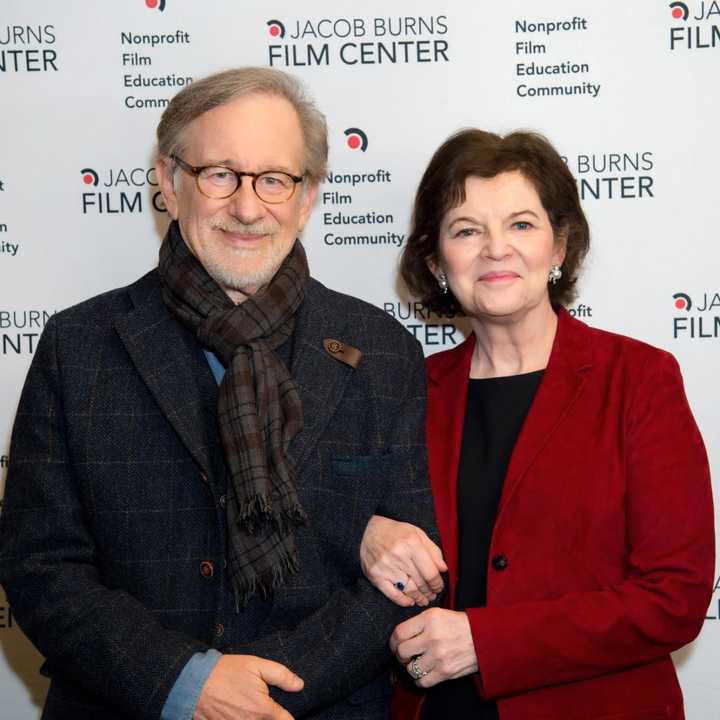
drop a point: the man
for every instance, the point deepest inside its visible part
(196, 456)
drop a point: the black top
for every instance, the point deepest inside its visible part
(496, 410)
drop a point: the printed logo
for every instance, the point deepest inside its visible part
(356, 139)
(19, 332)
(276, 29)
(24, 48)
(432, 330)
(682, 301)
(696, 25)
(122, 190)
(155, 5)
(614, 175)
(356, 40)
(679, 10)
(704, 320)
(89, 176)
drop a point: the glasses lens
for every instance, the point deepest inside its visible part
(217, 182)
(274, 186)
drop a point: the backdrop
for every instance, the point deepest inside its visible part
(628, 92)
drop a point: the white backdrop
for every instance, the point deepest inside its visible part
(629, 94)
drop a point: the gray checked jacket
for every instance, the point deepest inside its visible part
(112, 536)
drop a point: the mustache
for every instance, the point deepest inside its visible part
(233, 226)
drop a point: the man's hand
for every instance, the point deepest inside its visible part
(237, 689)
(439, 643)
(393, 552)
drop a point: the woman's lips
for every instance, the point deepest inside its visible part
(498, 276)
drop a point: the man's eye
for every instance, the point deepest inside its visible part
(274, 181)
(219, 176)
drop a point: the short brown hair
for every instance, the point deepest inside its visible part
(476, 153)
(221, 88)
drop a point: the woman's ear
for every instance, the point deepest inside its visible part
(433, 266)
(561, 238)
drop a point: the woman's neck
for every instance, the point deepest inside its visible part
(513, 346)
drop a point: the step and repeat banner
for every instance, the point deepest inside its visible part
(628, 92)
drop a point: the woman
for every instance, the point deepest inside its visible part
(571, 484)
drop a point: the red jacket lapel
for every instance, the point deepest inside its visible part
(448, 375)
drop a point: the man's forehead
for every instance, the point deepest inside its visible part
(259, 128)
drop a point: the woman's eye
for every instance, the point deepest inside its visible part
(465, 232)
(522, 225)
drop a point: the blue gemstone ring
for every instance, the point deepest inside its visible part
(400, 585)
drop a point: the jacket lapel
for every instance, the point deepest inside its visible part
(168, 359)
(320, 378)
(448, 376)
(562, 384)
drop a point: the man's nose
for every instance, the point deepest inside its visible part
(244, 204)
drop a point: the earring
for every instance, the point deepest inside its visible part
(555, 274)
(443, 283)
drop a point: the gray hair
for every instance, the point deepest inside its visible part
(223, 87)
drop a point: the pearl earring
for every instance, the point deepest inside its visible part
(555, 274)
(443, 283)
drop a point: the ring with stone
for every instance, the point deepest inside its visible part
(416, 672)
(400, 585)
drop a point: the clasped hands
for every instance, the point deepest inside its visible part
(437, 644)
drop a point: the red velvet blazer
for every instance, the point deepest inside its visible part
(602, 556)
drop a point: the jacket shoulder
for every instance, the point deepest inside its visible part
(614, 350)
(366, 323)
(101, 310)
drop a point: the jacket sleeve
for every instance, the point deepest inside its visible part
(661, 603)
(344, 645)
(101, 638)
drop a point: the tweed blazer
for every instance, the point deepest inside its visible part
(112, 537)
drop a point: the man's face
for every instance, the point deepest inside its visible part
(241, 240)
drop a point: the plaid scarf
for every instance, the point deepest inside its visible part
(259, 407)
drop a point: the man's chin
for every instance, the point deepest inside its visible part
(246, 280)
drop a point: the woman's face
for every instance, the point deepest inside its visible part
(496, 249)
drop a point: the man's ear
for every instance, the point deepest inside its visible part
(163, 171)
(307, 200)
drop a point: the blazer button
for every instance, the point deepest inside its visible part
(499, 562)
(219, 630)
(222, 500)
(207, 569)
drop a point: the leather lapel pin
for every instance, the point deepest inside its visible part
(342, 351)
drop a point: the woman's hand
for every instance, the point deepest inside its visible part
(437, 643)
(401, 561)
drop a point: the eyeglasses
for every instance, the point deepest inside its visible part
(219, 182)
